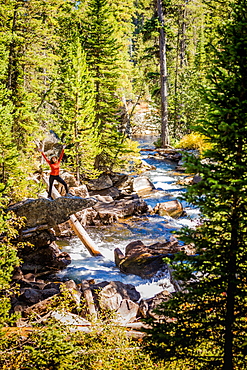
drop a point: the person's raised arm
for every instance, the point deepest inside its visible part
(43, 154)
(61, 154)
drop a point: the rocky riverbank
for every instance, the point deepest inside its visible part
(103, 201)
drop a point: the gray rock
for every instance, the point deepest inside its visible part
(147, 261)
(47, 258)
(102, 182)
(108, 213)
(144, 261)
(31, 296)
(118, 179)
(39, 308)
(79, 191)
(113, 192)
(125, 184)
(103, 199)
(53, 285)
(46, 293)
(172, 208)
(123, 208)
(148, 306)
(142, 185)
(38, 238)
(69, 179)
(67, 318)
(127, 311)
(50, 212)
(111, 294)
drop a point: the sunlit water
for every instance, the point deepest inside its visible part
(148, 228)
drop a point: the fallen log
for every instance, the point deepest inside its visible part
(77, 227)
(83, 235)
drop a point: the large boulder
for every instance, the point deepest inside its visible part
(111, 192)
(45, 258)
(123, 208)
(50, 212)
(106, 213)
(172, 208)
(102, 182)
(117, 297)
(145, 261)
(142, 185)
(79, 191)
(148, 306)
(74, 321)
(120, 180)
(32, 292)
(69, 178)
(138, 260)
(38, 237)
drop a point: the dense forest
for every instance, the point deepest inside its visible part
(80, 70)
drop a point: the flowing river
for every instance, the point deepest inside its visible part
(147, 228)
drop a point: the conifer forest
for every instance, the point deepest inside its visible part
(80, 70)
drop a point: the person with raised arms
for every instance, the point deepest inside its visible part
(54, 164)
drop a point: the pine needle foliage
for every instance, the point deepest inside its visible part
(75, 93)
(99, 40)
(205, 324)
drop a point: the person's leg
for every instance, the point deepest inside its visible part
(59, 179)
(51, 181)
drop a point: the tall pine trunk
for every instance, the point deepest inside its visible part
(163, 78)
(183, 38)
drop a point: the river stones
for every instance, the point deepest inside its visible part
(117, 297)
(148, 306)
(104, 181)
(45, 258)
(108, 212)
(139, 260)
(142, 185)
(145, 261)
(173, 208)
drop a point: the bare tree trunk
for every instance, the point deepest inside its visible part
(76, 141)
(180, 54)
(11, 69)
(175, 121)
(231, 292)
(163, 78)
(183, 38)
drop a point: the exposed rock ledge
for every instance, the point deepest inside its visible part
(40, 253)
(50, 212)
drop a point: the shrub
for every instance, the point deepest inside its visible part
(194, 140)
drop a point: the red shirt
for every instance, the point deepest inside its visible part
(55, 167)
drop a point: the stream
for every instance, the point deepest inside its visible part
(147, 228)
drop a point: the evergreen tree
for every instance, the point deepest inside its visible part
(75, 94)
(189, 27)
(205, 324)
(27, 26)
(102, 48)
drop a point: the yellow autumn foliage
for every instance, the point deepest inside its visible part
(194, 140)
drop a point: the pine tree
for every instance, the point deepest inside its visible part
(27, 27)
(102, 48)
(205, 324)
(76, 97)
